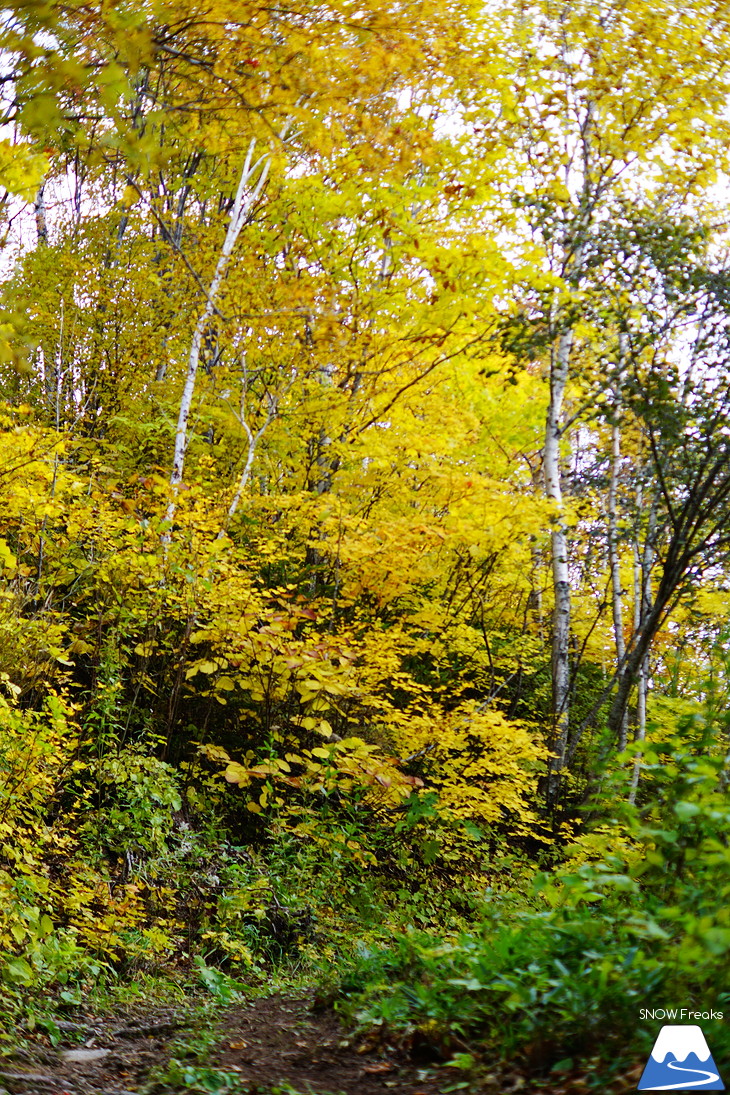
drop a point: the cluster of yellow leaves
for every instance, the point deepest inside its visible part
(484, 766)
(343, 766)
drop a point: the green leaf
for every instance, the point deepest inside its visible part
(19, 971)
(687, 810)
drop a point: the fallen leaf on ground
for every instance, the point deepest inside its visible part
(384, 1066)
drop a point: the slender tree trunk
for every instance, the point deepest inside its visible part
(39, 208)
(642, 606)
(559, 552)
(241, 206)
(617, 592)
(252, 439)
(559, 543)
(534, 599)
(641, 678)
(614, 558)
(175, 235)
(652, 613)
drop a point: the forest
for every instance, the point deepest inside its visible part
(364, 544)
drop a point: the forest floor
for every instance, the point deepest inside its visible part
(277, 1045)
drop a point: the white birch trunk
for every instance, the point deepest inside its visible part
(559, 551)
(614, 559)
(615, 566)
(253, 440)
(39, 209)
(641, 677)
(241, 206)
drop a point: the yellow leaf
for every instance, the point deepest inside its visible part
(236, 773)
(21, 169)
(214, 753)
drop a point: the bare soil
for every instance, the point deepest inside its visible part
(281, 1039)
(252, 1049)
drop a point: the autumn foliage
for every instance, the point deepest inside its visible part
(364, 473)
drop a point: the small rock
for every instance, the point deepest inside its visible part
(82, 1056)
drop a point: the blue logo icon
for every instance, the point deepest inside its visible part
(681, 1061)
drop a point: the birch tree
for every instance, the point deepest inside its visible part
(589, 123)
(250, 186)
(614, 555)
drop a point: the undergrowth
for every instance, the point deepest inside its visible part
(557, 974)
(456, 951)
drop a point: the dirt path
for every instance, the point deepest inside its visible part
(276, 1045)
(282, 1038)
(274, 1041)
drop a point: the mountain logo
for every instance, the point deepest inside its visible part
(681, 1061)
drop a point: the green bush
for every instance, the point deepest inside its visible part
(640, 919)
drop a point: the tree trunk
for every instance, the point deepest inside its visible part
(614, 558)
(39, 209)
(615, 565)
(642, 604)
(559, 546)
(641, 680)
(559, 552)
(650, 624)
(252, 439)
(241, 206)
